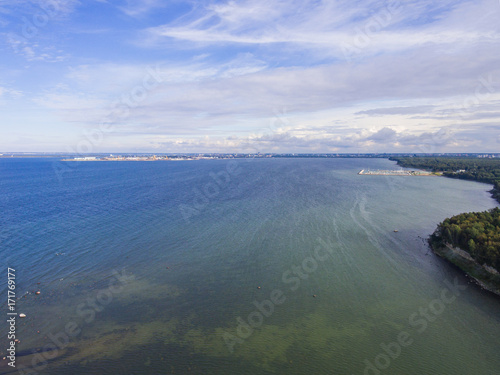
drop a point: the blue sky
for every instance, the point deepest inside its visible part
(249, 76)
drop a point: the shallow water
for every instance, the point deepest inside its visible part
(192, 242)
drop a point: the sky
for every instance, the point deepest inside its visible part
(308, 76)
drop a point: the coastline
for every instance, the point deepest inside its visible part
(483, 276)
(486, 277)
(391, 172)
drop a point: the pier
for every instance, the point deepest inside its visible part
(399, 172)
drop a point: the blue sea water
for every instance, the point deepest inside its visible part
(249, 266)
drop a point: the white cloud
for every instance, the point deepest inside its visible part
(138, 8)
(382, 140)
(397, 110)
(331, 28)
(8, 93)
(31, 9)
(240, 97)
(413, 77)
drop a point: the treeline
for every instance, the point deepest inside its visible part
(478, 233)
(476, 169)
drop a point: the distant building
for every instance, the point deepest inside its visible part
(87, 158)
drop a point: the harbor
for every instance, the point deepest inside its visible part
(398, 172)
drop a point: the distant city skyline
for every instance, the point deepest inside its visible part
(270, 76)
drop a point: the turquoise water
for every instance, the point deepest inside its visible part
(218, 263)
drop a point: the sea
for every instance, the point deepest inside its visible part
(243, 266)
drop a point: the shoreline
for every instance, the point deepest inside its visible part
(390, 172)
(485, 278)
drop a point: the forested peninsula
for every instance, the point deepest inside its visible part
(471, 241)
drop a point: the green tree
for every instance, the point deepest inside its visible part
(471, 246)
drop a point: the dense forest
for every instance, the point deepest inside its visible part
(478, 233)
(476, 169)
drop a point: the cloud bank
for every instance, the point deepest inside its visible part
(275, 76)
